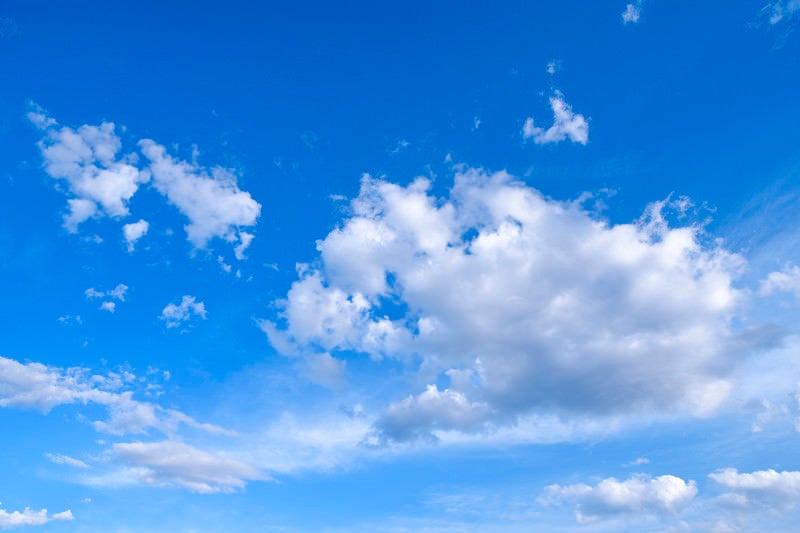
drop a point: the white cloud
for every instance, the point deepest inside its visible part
(175, 463)
(210, 199)
(135, 231)
(60, 459)
(632, 13)
(781, 10)
(175, 315)
(40, 387)
(638, 495)
(775, 489)
(108, 306)
(29, 517)
(519, 301)
(117, 293)
(99, 180)
(566, 125)
(433, 408)
(787, 280)
(553, 66)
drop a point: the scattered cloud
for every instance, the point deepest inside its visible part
(566, 125)
(175, 315)
(632, 13)
(781, 10)
(553, 66)
(29, 517)
(516, 301)
(117, 293)
(99, 180)
(638, 495)
(40, 387)
(135, 231)
(787, 280)
(209, 198)
(779, 490)
(175, 463)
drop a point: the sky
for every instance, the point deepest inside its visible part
(420, 267)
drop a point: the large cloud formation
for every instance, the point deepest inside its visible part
(512, 303)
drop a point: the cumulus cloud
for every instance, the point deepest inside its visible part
(781, 10)
(566, 125)
(117, 293)
(41, 387)
(639, 495)
(29, 517)
(522, 303)
(175, 315)
(786, 280)
(775, 489)
(632, 13)
(135, 231)
(99, 180)
(175, 463)
(209, 198)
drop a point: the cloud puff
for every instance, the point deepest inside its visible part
(566, 125)
(40, 387)
(632, 13)
(638, 495)
(175, 463)
(775, 489)
(210, 199)
(175, 315)
(787, 280)
(29, 517)
(101, 182)
(524, 304)
(98, 179)
(135, 231)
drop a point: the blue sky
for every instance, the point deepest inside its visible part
(431, 268)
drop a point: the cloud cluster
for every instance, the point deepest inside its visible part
(117, 293)
(520, 303)
(102, 182)
(632, 13)
(29, 517)
(780, 490)
(41, 387)
(638, 495)
(566, 125)
(175, 315)
(211, 200)
(99, 180)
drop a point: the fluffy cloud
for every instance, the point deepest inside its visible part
(175, 315)
(135, 231)
(210, 199)
(638, 495)
(40, 387)
(787, 280)
(102, 182)
(522, 303)
(632, 13)
(176, 463)
(566, 125)
(775, 489)
(99, 180)
(29, 517)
